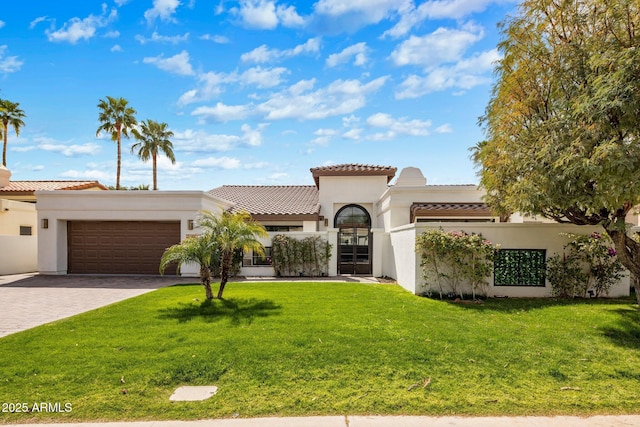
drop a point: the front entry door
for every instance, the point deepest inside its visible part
(355, 250)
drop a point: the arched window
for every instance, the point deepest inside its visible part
(352, 216)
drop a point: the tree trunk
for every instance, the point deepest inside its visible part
(226, 267)
(205, 278)
(4, 148)
(628, 252)
(155, 179)
(118, 127)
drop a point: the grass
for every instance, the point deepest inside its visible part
(291, 349)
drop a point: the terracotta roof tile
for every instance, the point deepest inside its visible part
(31, 186)
(352, 169)
(271, 200)
(450, 210)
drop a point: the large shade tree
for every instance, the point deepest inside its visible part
(153, 139)
(232, 232)
(563, 122)
(11, 117)
(117, 118)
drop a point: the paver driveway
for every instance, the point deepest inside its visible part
(31, 300)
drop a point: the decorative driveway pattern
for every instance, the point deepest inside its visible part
(27, 301)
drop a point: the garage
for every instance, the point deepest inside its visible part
(119, 247)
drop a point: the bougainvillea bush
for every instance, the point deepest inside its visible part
(455, 262)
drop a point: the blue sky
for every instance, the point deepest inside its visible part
(256, 91)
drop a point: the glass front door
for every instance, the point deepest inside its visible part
(355, 250)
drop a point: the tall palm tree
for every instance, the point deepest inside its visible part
(154, 139)
(116, 118)
(196, 249)
(232, 231)
(11, 116)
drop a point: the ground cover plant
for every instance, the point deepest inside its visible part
(290, 349)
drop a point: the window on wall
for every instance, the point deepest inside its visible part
(352, 216)
(255, 260)
(283, 227)
(519, 267)
(26, 230)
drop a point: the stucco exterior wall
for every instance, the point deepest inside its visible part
(338, 191)
(508, 235)
(22, 255)
(59, 207)
(14, 214)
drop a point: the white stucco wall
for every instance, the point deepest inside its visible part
(14, 214)
(338, 191)
(508, 235)
(19, 254)
(62, 206)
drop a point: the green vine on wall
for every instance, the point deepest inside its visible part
(454, 261)
(300, 257)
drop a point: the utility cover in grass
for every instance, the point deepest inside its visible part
(192, 393)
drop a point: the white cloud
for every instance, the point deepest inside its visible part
(264, 15)
(444, 45)
(216, 38)
(72, 150)
(9, 64)
(199, 141)
(437, 9)
(465, 74)
(89, 174)
(36, 21)
(222, 112)
(264, 54)
(2, 24)
(324, 136)
(357, 51)
(352, 134)
(299, 102)
(157, 38)
(212, 84)
(400, 126)
(217, 162)
(445, 128)
(121, 2)
(76, 29)
(116, 48)
(112, 35)
(337, 16)
(258, 14)
(176, 64)
(163, 9)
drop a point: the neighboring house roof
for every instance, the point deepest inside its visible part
(352, 169)
(444, 210)
(293, 202)
(23, 187)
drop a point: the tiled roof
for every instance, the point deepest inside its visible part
(450, 210)
(31, 186)
(352, 169)
(271, 200)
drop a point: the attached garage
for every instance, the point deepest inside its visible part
(119, 247)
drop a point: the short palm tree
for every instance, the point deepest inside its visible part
(116, 118)
(153, 138)
(231, 232)
(11, 116)
(196, 249)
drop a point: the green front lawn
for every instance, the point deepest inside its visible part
(294, 349)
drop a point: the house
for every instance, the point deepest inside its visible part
(369, 216)
(18, 219)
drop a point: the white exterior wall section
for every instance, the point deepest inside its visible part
(14, 214)
(20, 254)
(338, 191)
(59, 207)
(508, 236)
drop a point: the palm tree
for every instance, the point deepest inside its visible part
(154, 138)
(196, 249)
(231, 232)
(11, 116)
(116, 118)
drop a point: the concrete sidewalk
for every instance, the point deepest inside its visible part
(380, 421)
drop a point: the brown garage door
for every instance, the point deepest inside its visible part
(119, 247)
